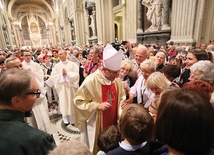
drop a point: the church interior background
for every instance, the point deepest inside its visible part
(40, 23)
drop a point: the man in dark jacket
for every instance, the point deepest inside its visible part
(19, 90)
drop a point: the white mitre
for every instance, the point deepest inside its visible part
(112, 58)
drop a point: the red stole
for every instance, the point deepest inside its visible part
(110, 115)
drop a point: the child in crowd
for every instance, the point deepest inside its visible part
(108, 139)
(135, 125)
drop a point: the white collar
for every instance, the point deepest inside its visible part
(129, 147)
(28, 63)
(106, 81)
(65, 62)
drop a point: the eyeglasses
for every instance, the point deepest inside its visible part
(145, 72)
(37, 93)
(127, 70)
(113, 73)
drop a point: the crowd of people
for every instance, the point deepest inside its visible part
(140, 99)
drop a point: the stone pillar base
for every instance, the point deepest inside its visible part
(183, 40)
(160, 37)
(92, 40)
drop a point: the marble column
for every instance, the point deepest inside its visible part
(105, 26)
(79, 23)
(183, 20)
(139, 12)
(166, 7)
(131, 18)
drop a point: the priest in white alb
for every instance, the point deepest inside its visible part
(65, 77)
(99, 98)
(40, 118)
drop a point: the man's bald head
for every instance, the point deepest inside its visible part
(13, 62)
(141, 54)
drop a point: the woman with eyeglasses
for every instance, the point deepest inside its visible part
(139, 91)
(125, 75)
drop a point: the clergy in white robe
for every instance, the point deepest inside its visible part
(65, 76)
(99, 98)
(40, 118)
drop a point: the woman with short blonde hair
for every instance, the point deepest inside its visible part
(127, 65)
(157, 82)
(126, 73)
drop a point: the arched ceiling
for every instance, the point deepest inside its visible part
(18, 9)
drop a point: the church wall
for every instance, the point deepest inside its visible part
(190, 21)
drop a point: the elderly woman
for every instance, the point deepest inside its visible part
(125, 74)
(139, 90)
(157, 82)
(202, 70)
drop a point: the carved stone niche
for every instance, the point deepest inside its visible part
(160, 37)
(71, 21)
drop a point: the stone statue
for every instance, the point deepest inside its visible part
(92, 25)
(154, 13)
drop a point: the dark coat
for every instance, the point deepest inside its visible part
(151, 148)
(18, 138)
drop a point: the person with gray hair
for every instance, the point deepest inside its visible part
(37, 117)
(72, 147)
(139, 91)
(19, 90)
(160, 58)
(202, 70)
(13, 62)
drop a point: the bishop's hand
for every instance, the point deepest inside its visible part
(104, 106)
